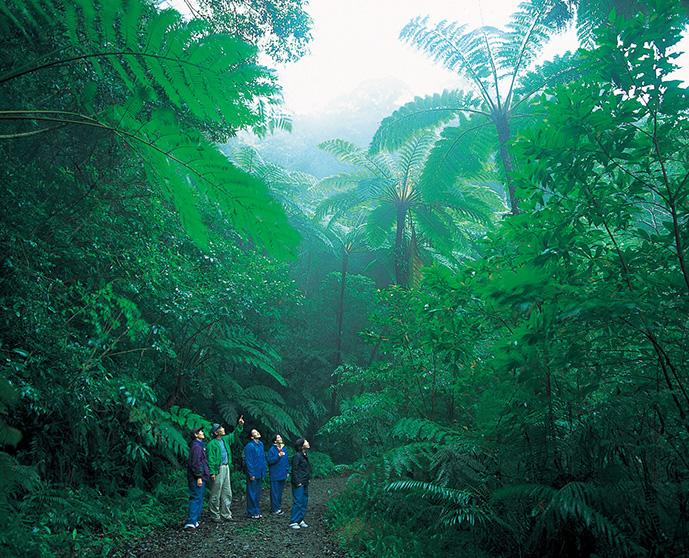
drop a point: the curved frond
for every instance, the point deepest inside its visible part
(422, 113)
(530, 26)
(458, 50)
(559, 70)
(460, 152)
(460, 506)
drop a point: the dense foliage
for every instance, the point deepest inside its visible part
(534, 402)
(483, 315)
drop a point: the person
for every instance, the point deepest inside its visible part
(256, 468)
(301, 473)
(197, 476)
(278, 464)
(220, 465)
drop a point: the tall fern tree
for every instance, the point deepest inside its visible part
(496, 64)
(160, 74)
(395, 194)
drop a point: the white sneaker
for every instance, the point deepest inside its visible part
(303, 524)
(189, 526)
(294, 525)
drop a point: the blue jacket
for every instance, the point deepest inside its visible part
(278, 465)
(255, 459)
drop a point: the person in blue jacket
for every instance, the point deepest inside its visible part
(256, 469)
(278, 463)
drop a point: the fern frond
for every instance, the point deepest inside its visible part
(561, 69)
(449, 43)
(421, 429)
(460, 506)
(423, 113)
(530, 26)
(405, 459)
(460, 152)
(412, 158)
(244, 349)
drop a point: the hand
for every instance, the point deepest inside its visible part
(213, 477)
(241, 419)
(199, 482)
(252, 478)
(281, 453)
(298, 485)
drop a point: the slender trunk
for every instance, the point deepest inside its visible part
(503, 128)
(671, 200)
(340, 306)
(340, 319)
(678, 244)
(400, 264)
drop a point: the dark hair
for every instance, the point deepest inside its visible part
(276, 437)
(299, 444)
(195, 431)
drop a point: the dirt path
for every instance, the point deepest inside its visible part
(269, 537)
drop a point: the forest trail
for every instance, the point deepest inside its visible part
(250, 538)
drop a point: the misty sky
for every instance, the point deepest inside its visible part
(357, 40)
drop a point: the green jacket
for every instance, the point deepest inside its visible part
(214, 453)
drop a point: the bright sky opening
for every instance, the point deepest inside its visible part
(355, 41)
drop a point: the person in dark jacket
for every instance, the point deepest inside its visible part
(256, 469)
(301, 473)
(278, 465)
(197, 476)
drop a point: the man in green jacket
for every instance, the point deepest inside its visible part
(220, 464)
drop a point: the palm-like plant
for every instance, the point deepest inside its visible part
(391, 191)
(496, 63)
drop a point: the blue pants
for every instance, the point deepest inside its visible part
(253, 496)
(195, 501)
(276, 488)
(300, 497)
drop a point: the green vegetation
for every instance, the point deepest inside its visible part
(483, 318)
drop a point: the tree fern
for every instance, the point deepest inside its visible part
(400, 193)
(162, 61)
(494, 62)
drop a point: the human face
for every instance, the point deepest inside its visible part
(255, 434)
(278, 440)
(306, 445)
(220, 432)
(200, 435)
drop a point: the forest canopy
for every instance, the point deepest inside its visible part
(481, 316)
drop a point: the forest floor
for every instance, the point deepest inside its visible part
(267, 537)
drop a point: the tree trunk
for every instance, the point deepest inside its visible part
(400, 263)
(340, 306)
(339, 322)
(503, 128)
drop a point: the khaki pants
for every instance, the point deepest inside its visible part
(221, 494)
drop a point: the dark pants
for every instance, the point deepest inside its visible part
(276, 488)
(195, 501)
(300, 497)
(253, 496)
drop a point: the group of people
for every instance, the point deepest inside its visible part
(213, 462)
